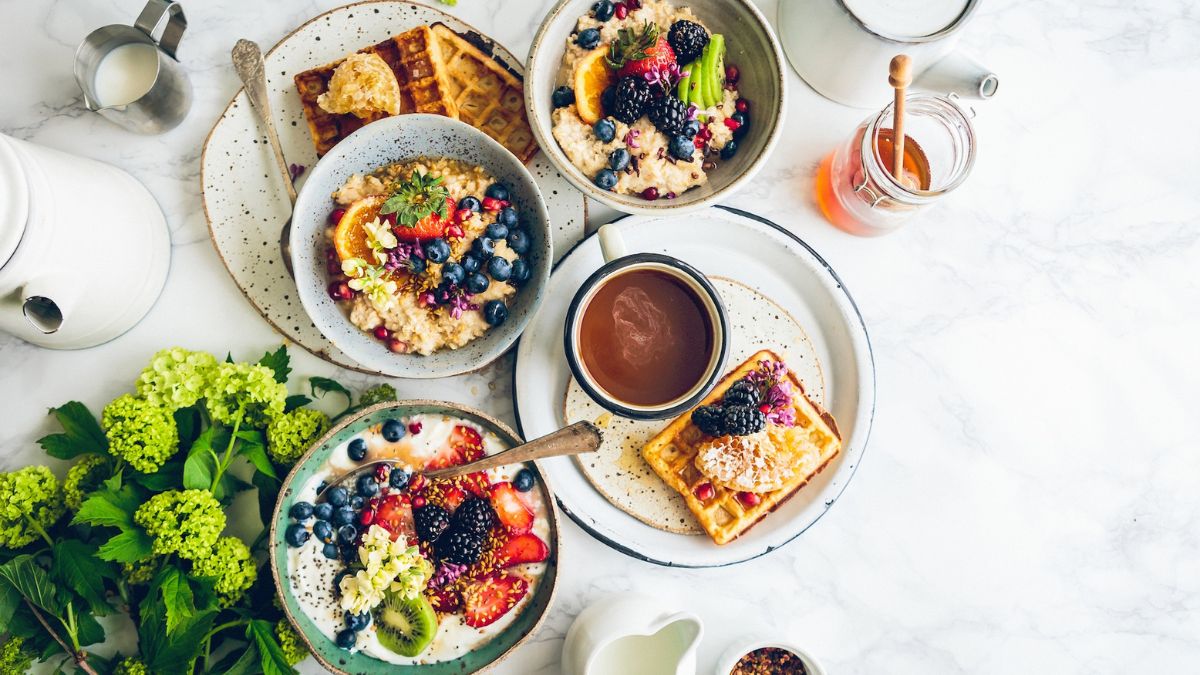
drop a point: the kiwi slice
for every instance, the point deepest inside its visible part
(405, 626)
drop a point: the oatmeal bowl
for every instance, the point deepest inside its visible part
(421, 247)
(652, 106)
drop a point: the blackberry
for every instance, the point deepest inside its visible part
(688, 39)
(431, 521)
(629, 99)
(742, 420)
(741, 393)
(460, 547)
(669, 114)
(708, 418)
(474, 515)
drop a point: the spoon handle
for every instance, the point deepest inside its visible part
(248, 62)
(576, 439)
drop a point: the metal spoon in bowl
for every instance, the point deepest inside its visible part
(576, 439)
(248, 62)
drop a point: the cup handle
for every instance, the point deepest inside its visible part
(612, 244)
(152, 15)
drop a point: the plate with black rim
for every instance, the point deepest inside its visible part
(779, 266)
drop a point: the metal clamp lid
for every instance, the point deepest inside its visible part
(153, 14)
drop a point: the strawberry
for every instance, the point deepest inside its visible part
(468, 442)
(395, 516)
(523, 548)
(453, 497)
(429, 227)
(492, 596)
(510, 510)
(445, 601)
(637, 53)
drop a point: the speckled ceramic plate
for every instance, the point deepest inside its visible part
(340, 661)
(244, 199)
(774, 263)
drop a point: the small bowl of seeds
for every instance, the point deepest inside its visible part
(756, 655)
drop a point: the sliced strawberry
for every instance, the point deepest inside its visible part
(467, 440)
(429, 227)
(523, 548)
(659, 58)
(445, 601)
(477, 484)
(492, 596)
(446, 456)
(395, 515)
(510, 510)
(452, 497)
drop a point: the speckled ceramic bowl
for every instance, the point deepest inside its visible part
(751, 45)
(387, 141)
(340, 661)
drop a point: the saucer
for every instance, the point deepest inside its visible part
(754, 253)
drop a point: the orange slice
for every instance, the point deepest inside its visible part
(592, 77)
(350, 237)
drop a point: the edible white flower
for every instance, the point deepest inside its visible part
(378, 286)
(388, 565)
(380, 238)
(354, 267)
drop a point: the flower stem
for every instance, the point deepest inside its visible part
(227, 457)
(37, 527)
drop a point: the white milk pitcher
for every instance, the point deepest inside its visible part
(632, 634)
(842, 47)
(84, 248)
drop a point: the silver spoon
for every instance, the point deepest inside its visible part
(576, 439)
(248, 62)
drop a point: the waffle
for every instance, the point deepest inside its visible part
(415, 58)
(486, 94)
(672, 455)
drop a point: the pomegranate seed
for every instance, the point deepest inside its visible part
(621, 10)
(764, 408)
(455, 231)
(670, 195)
(704, 492)
(405, 500)
(418, 502)
(749, 499)
(732, 124)
(699, 142)
(414, 427)
(742, 105)
(374, 502)
(463, 214)
(366, 517)
(633, 4)
(340, 290)
(492, 204)
(417, 482)
(331, 253)
(381, 332)
(333, 267)
(336, 215)
(650, 193)
(382, 472)
(732, 74)
(397, 346)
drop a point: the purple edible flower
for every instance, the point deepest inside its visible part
(459, 301)
(691, 111)
(771, 379)
(664, 77)
(402, 255)
(446, 574)
(631, 138)
(296, 170)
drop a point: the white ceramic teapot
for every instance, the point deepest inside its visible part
(84, 248)
(632, 634)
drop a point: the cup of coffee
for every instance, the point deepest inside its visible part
(646, 335)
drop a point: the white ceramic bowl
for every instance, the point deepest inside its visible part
(748, 643)
(750, 44)
(387, 141)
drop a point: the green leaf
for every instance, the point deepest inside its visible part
(228, 487)
(32, 582)
(82, 434)
(243, 661)
(323, 385)
(268, 493)
(75, 564)
(10, 601)
(295, 401)
(277, 361)
(177, 598)
(252, 448)
(90, 631)
(111, 508)
(188, 422)
(229, 357)
(168, 477)
(271, 654)
(131, 545)
(200, 467)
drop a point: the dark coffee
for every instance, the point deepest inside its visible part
(646, 337)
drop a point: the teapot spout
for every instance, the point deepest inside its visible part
(46, 304)
(959, 74)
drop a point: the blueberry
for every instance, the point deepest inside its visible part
(357, 449)
(588, 38)
(507, 217)
(437, 250)
(357, 502)
(477, 283)
(337, 495)
(343, 516)
(321, 487)
(301, 511)
(453, 273)
(346, 639)
(470, 203)
(416, 266)
(518, 241)
(495, 313)
(347, 534)
(358, 622)
(323, 511)
(393, 430)
(470, 263)
(330, 551)
(743, 121)
(349, 552)
(523, 481)
(729, 150)
(337, 579)
(367, 486)
(497, 230)
(618, 159)
(323, 530)
(682, 148)
(603, 10)
(295, 534)
(398, 479)
(520, 272)
(562, 97)
(691, 128)
(606, 179)
(483, 248)
(499, 268)
(605, 130)
(499, 190)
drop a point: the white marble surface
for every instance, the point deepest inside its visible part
(1030, 500)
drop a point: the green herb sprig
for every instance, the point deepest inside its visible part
(417, 198)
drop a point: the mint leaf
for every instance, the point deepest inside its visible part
(271, 654)
(32, 582)
(130, 546)
(75, 564)
(277, 361)
(82, 434)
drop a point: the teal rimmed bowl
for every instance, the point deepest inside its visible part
(340, 661)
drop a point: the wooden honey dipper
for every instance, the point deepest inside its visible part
(899, 76)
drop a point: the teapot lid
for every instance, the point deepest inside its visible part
(14, 200)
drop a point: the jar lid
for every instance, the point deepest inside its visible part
(14, 200)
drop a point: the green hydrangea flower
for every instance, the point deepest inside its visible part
(248, 387)
(30, 503)
(176, 378)
(231, 565)
(139, 573)
(377, 394)
(15, 658)
(139, 432)
(131, 666)
(294, 650)
(83, 477)
(290, 434)
(187, 522)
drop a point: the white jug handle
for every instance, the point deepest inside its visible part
(957, 73)
(612, 244)
(46, 303)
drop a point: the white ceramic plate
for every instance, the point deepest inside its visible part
(244, 199)
(758, 253)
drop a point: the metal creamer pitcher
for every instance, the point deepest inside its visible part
(168, 93)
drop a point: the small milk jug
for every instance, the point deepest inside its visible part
(84, 248)
(632, 634)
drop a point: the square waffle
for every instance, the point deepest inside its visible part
(414, 56)
(486, 94)
(672, 454)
